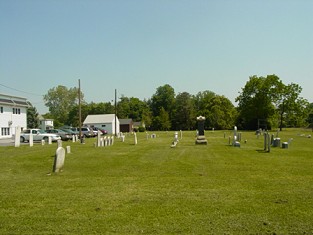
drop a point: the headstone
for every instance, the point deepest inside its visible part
(176, 137)
(272, 139)
(68, 149)
(200, 137)
(105, 141)
(284, 145)
(276, 142)
(31, 140)
(135, 138)
(49, 140)
(17, 139)
(98, 139)
(123, 138)
(59, 159)
(265, 142)
(59, 143)
(101, 142)
(43, 142)
(73, 138)
(112, 140)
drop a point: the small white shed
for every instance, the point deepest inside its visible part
(103, 121)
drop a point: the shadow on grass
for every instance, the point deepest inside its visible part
(262, 151)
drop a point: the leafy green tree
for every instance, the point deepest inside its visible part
(222, 113)
(162, 121)
(32, 117)
(60, 100)
(255, 101)
(185, 115)
(290, 105)
(202, 100)
(100, 108)
(131, 108)
(73, 116)
(163, 98)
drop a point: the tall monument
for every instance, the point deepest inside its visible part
(200, 137)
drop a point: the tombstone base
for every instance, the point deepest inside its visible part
(201, 140)
(237, 144)
(284, 145)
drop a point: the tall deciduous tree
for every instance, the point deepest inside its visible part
(255, 101)
(290, 106)
(184, 117)
(221, 113)
(60, 100)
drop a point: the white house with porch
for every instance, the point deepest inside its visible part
(103, 121)
(13, 113)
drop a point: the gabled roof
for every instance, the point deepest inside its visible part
(125, 121)
(99, 118)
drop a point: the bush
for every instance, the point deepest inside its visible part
(141, 129)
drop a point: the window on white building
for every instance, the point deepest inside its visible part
(16, 111)
(5, 131)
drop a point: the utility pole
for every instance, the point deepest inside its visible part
(80, 113)
(115, 113)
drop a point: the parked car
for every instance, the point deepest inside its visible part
(63, 134)
(38, 135)
(104, 132)
(86, 131)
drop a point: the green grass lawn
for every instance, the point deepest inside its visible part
(151, 188)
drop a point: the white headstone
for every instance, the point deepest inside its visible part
(112, 140)
(176, 137)
(135, 138)
(105, 141)
(43, 142)
(68, 149)
(17, 141)
(49, 140)
(59, 143)
(98, 139)
(73, 138)
(31, 140)
(59, 159)
(123, 138)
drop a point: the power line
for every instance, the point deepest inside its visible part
(20, 90)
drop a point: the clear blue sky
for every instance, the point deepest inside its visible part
(135, 46)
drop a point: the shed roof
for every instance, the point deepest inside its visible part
(99, 118)
(125, 121)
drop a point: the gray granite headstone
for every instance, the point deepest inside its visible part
(59, 159)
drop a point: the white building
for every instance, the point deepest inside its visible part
(103, 121)
(13, 113)
(45, 124)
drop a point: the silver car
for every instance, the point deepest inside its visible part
(38, 135)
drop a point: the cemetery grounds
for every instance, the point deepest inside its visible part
(151, 188)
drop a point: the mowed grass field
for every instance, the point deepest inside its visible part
(150, 188)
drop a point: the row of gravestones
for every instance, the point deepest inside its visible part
(104, 141)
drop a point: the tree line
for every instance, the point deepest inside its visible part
(264, 102)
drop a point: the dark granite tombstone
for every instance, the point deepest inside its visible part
(201, 138)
